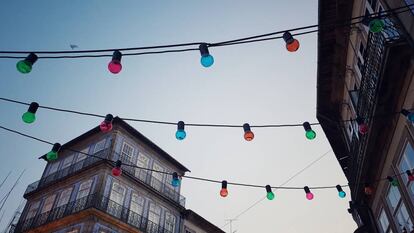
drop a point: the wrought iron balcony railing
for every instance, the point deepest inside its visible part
(143, 176)
(374, 57)
(98, 202)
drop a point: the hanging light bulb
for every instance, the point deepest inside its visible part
(25, 66)
(309, 133)
(270, 195)
(410, 175)
(309, 195)
(224, 192)
(409, 115)
(368, 190)
(393, 181)
(248, 134)
(180, 134)
(376, 25)
(53, 154)
(292, 44)
(341, 192)
(206, 59)
(175, 180)
(29, 116)
(117, 171)
(106, 125)
(115, 65)
(362, 126)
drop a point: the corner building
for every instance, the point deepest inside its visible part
(369, 75)
(78, 193)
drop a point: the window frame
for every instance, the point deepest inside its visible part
(90, 181)
(51, 198)
(103, 142)
(128, 157)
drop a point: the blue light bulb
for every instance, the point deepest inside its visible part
(180, 134)
(207, 60)
(175, 182)
(341, 194)
(410, 116)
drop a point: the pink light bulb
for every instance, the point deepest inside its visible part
(105, 126)
(363, 128)
(309, 196)
(114, 66)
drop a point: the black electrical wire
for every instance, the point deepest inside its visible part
(250, 39)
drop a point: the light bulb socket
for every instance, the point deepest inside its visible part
(268, 189)
(390, 179)
(409, 173)
(33, 107)
(56, 147)
(31, 58)
(117, 56)
(288, 38)
(405, 112)
(307, 126)
(307, 190)
(180, 125)
(339, 188)
(175, 176)
(224, 184)
(108, 118)
(204, 49)
(359, 120)
(246, 127)
(118, 163)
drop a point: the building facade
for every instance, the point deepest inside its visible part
(369, 75)
(78, 193)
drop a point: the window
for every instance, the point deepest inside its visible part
(157, 182)
(82, 156)
(127, 152)
(384, 223)
(136, 207)
(398, 209)
(409, 2)
(407, 163)
(84, 189)
(169, 222)
(153, 218)
(117, 193)
(48, 203)
(53, 168)
(64, 197)
(33, 210)
(143, 161)
(99, 146)
(67, 161)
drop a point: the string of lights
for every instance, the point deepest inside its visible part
(176, 179)
(106, 125)
(374, 21)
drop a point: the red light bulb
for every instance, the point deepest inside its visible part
(106, 125)
(293, 46)
(368, 190)
(248, 134)
(410, 175)
(224, 192)
(116, 171)
(115, 65)
(363, 128)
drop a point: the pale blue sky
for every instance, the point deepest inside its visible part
(257, 83)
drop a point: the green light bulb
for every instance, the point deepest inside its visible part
(270, 196)
(310, 134)
(394, 182)
(51, 155)
(28, 117)
(376, 25)
(24, 66)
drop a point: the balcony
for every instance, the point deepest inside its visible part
(366, 98)
(97, 202)
(139, 175)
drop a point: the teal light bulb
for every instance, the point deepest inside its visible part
(180, 134)
(207, 60)
(341, 194)
(410, 116)
(175, 182)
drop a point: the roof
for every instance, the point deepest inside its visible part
(201, 222)
(133, 132)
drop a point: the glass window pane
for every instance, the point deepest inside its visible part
(67, 161)
(48, 203)
(33, 209)
(64, 196)
(383, 219)
(393, 197)
(82, 156)
(404, 221)
(117, 193)
(99, 146)
(127, 151)
(84, 189)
